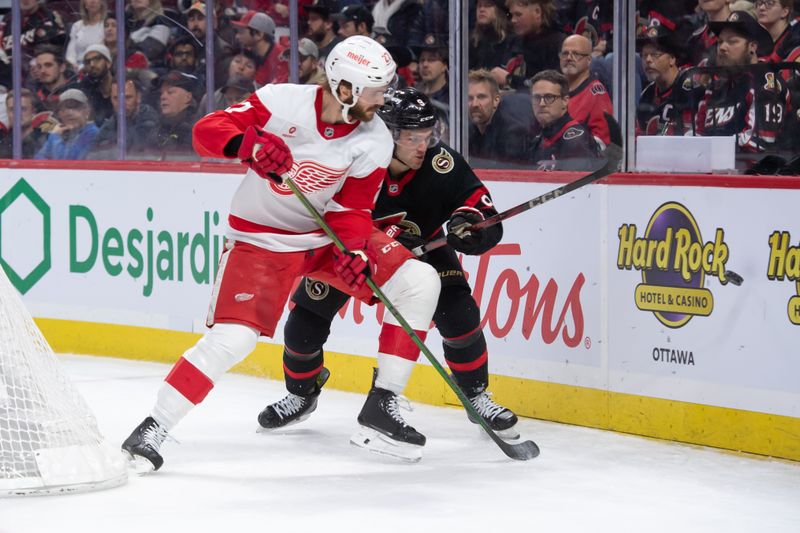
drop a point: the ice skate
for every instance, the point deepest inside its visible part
(501, 419)
(293, 408)
(383, 430)
(144, 446)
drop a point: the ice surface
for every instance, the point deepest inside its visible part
(224, 476)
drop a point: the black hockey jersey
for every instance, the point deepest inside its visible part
(751, 104)
(421, 201)
(564, 145)
(667, 112)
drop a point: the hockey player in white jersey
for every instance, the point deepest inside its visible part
(325, 138)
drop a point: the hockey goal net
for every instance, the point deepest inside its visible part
(49, 440)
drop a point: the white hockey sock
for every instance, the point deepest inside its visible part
(393, 372)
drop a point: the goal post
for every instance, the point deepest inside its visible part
(49, 439)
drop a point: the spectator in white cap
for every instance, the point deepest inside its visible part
(256, 32)
(96, 83)
(309, 71)
(86, 31)
(75, 134)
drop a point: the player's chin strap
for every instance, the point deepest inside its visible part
(345, 107)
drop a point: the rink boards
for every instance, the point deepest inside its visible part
(610, 307)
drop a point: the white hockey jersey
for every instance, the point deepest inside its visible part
(339, 167)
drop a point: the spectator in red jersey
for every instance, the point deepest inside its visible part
(256, 32)
(774, 16)
(588, 97)
(536, 45)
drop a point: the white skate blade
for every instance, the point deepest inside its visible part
(378, 443)
(140, 465)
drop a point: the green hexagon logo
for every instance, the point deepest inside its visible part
(22, 189)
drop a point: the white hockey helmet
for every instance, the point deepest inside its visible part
(363, 63)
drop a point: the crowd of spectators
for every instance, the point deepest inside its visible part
(539, 84)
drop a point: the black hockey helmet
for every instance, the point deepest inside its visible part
(408, 109)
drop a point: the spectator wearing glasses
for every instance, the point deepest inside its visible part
(491, 40)
(749, 101)
(665, 107)
(774, 16)
(564, 143)
(96, 84)
(185, 55)
(75, 134)
(588, 97)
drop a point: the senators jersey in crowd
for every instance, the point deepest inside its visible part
(338, 166)
(787, 46)
(420, 201)
(750, 104)
(564, 145)
(667, 112)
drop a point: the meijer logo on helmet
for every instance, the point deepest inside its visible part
(358, 58)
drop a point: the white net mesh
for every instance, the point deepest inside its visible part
(49, 440)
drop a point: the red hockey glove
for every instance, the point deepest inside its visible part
(353, 267)
(266, 154)
(468, 242)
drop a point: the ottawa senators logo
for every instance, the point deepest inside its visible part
(442, 162)
(317, 290)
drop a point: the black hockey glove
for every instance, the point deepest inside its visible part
(467, 242)
(406, 238)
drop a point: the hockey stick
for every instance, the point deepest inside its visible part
(521, 451)
(613, 155)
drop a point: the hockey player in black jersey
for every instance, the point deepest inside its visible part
(428, 185)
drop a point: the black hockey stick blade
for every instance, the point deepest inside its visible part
(613, 155)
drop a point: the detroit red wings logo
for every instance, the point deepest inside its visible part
(310, 177)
